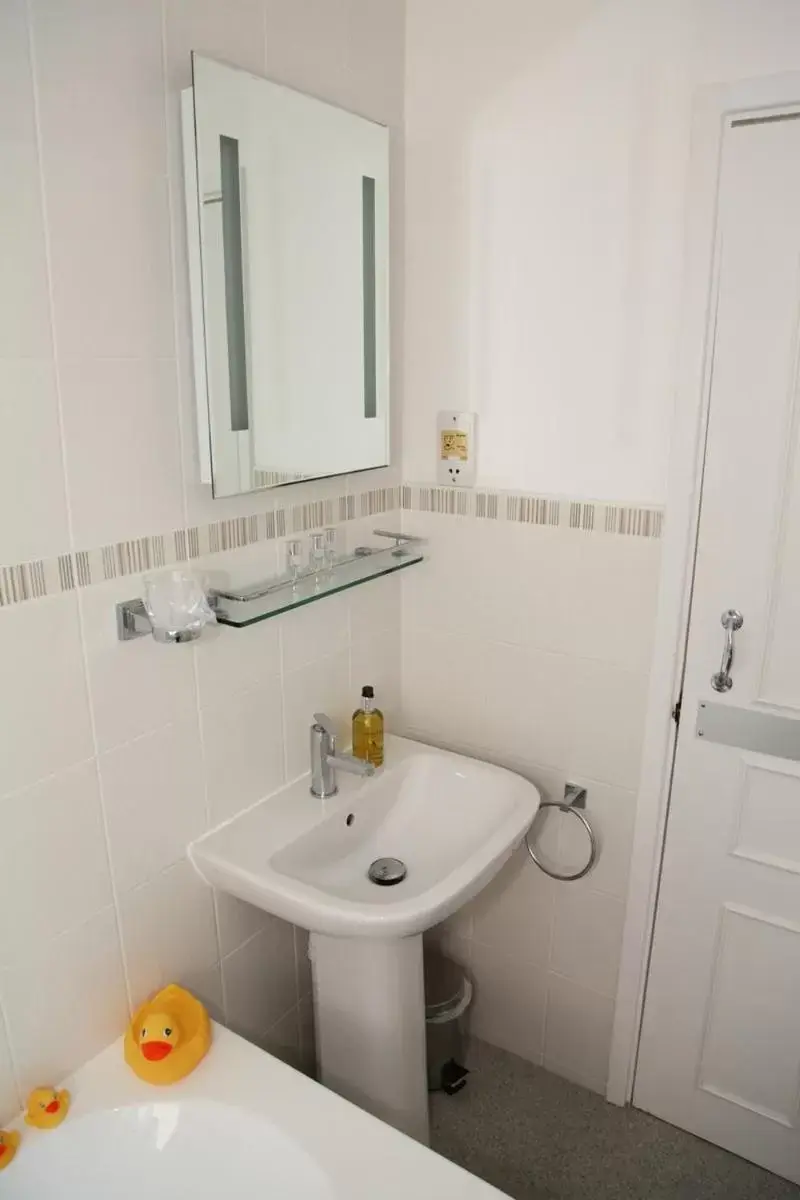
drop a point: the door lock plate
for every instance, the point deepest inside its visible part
(759, 732)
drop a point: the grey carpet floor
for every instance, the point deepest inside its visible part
(537, 1137)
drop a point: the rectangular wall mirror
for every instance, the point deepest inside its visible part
(287, 202)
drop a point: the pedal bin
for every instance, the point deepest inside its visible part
(448, 994)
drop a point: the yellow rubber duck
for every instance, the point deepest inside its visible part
(9, 1140)
(168, 1036)
(46, 1108)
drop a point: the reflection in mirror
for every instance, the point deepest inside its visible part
(288, 223)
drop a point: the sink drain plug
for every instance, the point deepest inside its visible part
(387, 871)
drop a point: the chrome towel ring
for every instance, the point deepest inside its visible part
(574, 800)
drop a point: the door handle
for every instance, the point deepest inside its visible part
(731, 621)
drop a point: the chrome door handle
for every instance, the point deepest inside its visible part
(731, 621)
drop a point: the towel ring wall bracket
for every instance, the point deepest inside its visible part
(574, 802)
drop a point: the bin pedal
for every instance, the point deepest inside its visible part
(454, 1077)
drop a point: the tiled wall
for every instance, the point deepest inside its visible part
(526, 641)
(113, 756)
(526, 634)
(547, 151)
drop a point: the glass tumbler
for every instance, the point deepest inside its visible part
(294, 559)
(316, 556)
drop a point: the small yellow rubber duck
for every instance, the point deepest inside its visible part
(168, 1036)
(9, 1140)
(46, 1108)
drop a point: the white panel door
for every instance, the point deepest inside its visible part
(720, 1047)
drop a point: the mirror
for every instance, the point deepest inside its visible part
(287, 202)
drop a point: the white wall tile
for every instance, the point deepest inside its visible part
(236, 660)
(612, 812)
(533, 585)
(514, 914)
(31, 469)
(24, 303)
(135, 687)
(303, 962)
(509, 1005)
(587, 938)
(483, 578)
(283, 1040)
(509, 699)
(525, 702)
(243, 743)
(122, 449)
(110, 262)
(237, 922)
(44, 714)
(259, 979)
(377, 606)
(168, 930)
(578, 1033)
(620, 576)
(323, 686)
(443, 695)
(56, 822)
(104, 159)
(452, 940)
(206, 985)
(233, 33)
(314, 631)
(100, 80)
(342, 63)
(607, 707)
(308, 1043)
(10, 1099)
(24, 313)
(65, 1001)
(154, 795)
(317, 66)
(377, 661)
(376, 58)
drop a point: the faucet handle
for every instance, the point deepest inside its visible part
(325, 724)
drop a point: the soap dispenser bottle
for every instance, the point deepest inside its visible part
(368, 729)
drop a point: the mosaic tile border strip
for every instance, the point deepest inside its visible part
(84, 568)
(585, 516)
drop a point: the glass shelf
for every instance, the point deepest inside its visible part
(271, 598)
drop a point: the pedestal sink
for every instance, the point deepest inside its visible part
(452, 822)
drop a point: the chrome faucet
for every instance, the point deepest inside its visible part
(325, 760)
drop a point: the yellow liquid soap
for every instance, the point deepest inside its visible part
(368, 729)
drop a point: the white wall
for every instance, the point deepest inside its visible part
(547, 148)
(113, 756)
(547, 151)
(529, 646)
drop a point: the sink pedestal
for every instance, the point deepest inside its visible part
(369, 1013)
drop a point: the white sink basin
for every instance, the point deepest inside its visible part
(452, 820)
